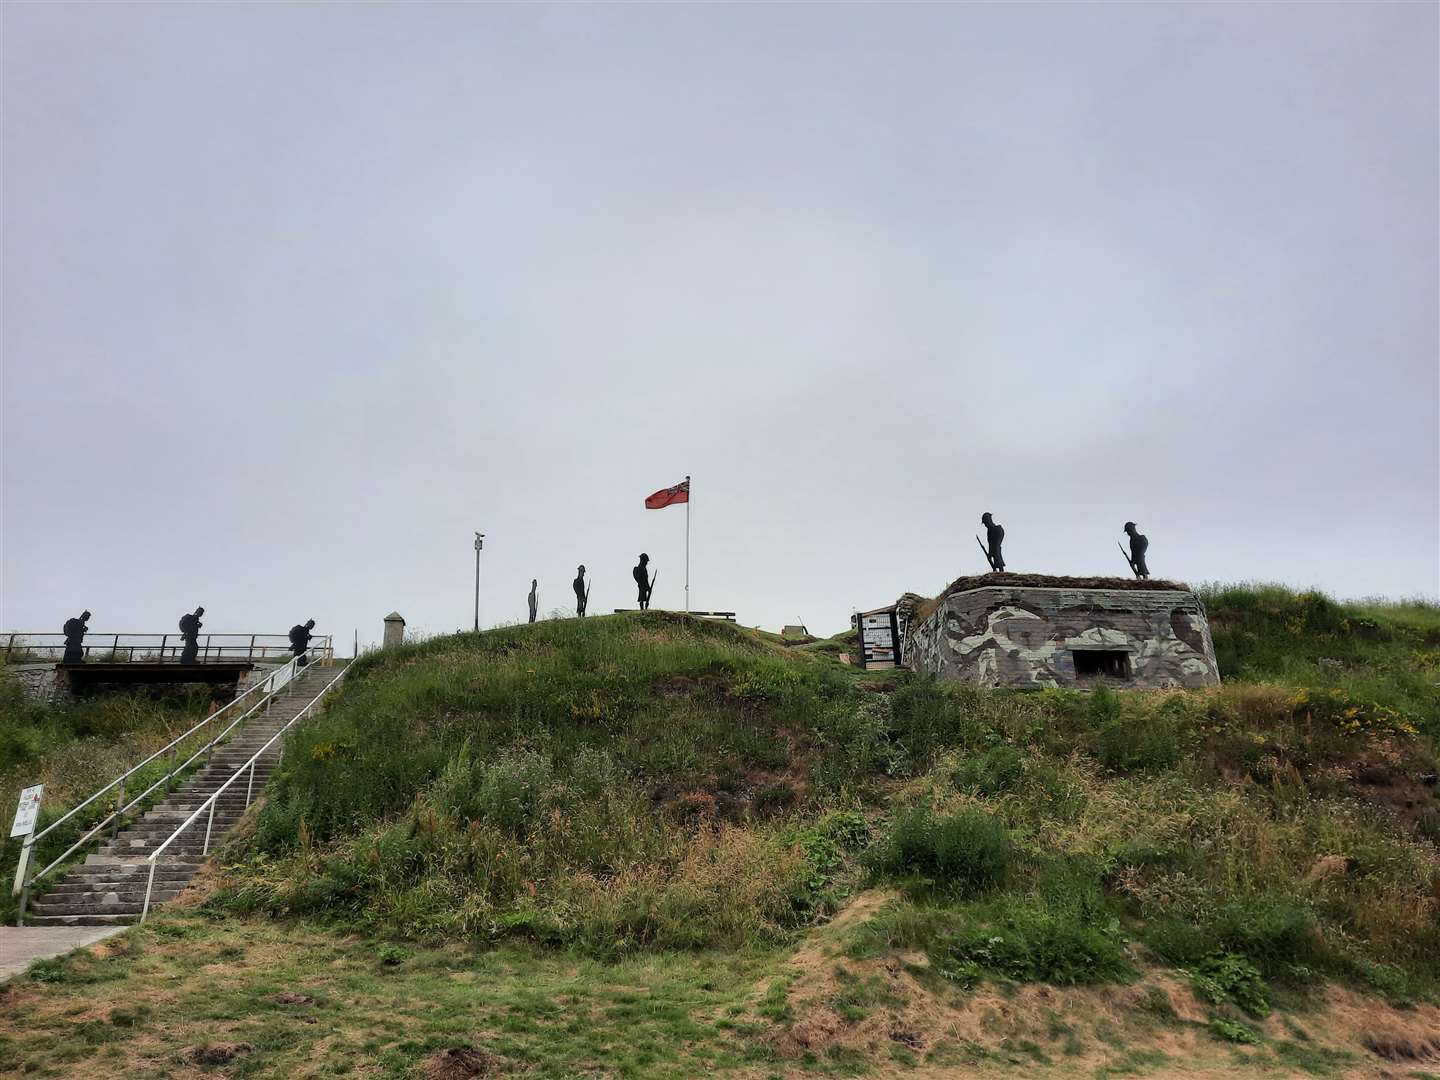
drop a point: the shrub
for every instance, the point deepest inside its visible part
(848, 828)
(1225, 978)
(593, 773)
(1137, 743)
(856, 743)
(997, 770)
(1033, 942)
(18, 746)
(927, 717)
(773, 798)
(1234, 1031)
(1104, 706)
(392, 955)
(508, 792)
(964, 854)
(1275, 933)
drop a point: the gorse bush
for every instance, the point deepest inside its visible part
(964, 854)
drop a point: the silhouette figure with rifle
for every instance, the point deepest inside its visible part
(644, 581)
(1138, 546)
(582, 592)
(995, 535)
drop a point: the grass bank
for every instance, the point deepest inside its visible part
(650, 781)
(652, 845)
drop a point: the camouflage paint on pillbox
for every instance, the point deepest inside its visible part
(1037, 631)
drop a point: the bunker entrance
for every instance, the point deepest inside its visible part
(1110, 664)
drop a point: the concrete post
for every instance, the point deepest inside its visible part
(394, 629)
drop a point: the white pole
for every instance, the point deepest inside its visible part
(687, 543)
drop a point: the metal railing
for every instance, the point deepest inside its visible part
(132, 648)
(266, 687)
(208, 806)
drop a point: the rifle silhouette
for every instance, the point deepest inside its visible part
(986, 550)
(1127, 558)
(650, 589)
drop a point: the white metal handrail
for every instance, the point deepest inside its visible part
(209, 804)
(267, 687)
(234, 647)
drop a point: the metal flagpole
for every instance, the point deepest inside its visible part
(479, 543)
(687, 543)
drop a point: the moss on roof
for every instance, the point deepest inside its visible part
(1045, 581)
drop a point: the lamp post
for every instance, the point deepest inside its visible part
(479, 543)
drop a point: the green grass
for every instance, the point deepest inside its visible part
(653, 803)
(1383, 656)
(644, 782)
(307, 1003)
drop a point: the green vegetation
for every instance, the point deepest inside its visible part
(303, 1003)
(653, 797)
(74, 749)
(1383, 658)
(651, 781)
(963, 854)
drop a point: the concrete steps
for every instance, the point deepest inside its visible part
(109, 887)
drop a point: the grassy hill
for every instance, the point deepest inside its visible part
(650, 845)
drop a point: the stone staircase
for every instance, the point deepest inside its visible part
(109, 887)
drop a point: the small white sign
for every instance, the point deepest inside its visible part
(27, 811)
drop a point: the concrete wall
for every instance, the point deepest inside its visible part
(1023, 636)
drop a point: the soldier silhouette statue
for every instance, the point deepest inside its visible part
(534, 597)
(582, 591)
(190, 634)
(994, 536)
(643, 581)
(75, 630)
(300, 640)
(1138, 546)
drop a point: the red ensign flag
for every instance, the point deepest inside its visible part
(680, 493)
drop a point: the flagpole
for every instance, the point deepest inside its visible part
(687, 543)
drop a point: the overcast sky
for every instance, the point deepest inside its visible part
(298, 297)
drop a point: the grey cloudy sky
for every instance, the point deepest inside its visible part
(297, 297)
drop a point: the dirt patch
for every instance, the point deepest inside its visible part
(881, 1007)
(676, 686)
(212, 1054)
(461, 1063)
(1411, 1034)
(289, 997)
(1398, 1044)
